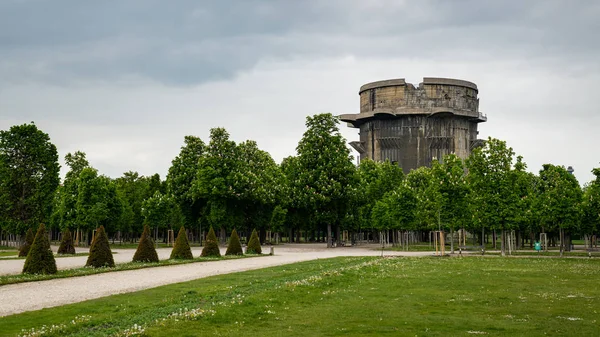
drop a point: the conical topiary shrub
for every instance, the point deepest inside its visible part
(40, 259)
(24, 249)
(66, 244)
(100, 254)
(234, 247)
(181, 249)
(254, 244)
(211, 245)
(145, 251)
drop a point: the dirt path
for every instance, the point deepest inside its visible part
(16, 298)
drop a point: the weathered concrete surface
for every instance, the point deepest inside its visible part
(412, 126)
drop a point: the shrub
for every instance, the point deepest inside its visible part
(66, 244)
(24, 249)
(145, 251)
(40, 259)
(234, 247)
(181, 249)
(100, 254)
(254, 244)
(211, 246)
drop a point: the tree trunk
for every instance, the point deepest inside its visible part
(329, 241)
(451, 240)
(562, 240)
(494, 239)
(503, 243)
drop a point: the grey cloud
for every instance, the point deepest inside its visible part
(191, 42)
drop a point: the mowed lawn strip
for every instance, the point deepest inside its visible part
(83, 271)
(351, 296)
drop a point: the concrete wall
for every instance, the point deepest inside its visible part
(414, 125)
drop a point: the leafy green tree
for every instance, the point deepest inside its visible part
(278, 217)
(428, 198)
(396, 210)
(181, 249)
(453, 191)
(29, 176)
(98, 202)
(257, 183)
(145, 251)
(40, 259)
(234, 247)
(134, 189)
(562, 196)
(66, 244)
(326, 172)
(216, 183)
(291, 198)
(65, 210)
(590, 222)
(493, 193)
(100, 253)
(211, 245)
(181, 177)
(160, 211)
(24, 249)
(254, 244)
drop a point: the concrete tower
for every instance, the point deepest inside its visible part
(412, 126)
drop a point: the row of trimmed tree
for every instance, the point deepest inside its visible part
(40, 259)
(317, 194)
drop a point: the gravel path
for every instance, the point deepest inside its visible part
(16, 298)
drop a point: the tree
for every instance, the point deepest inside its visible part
(561, 196)
(278, 217)
(326, 172)
(234, 247)
(181, 177)
(98, 203)
(66, 244)
(590, 222)
(40, 259)
(100, 254)
(145, 251)
(428, 198)
(257, 183)
(29, 176)
(24, 249)
(181, 249)
(211, 246)
(396, 210)
(215, 181)
(160, 211)
(493, 193)
(453, 191)
(253, 244)
(65, 209)
(134, 189)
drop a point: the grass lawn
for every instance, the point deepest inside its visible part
(12, 255)
(358, 296)
(127, 245)
(21, 278)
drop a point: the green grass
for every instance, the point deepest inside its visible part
(555, 253)
(353, 297)
(8, 256)
(11, 253)
(83, 271)
(8, 248)
(127, 245)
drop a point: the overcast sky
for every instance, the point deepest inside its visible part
(125, 81)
